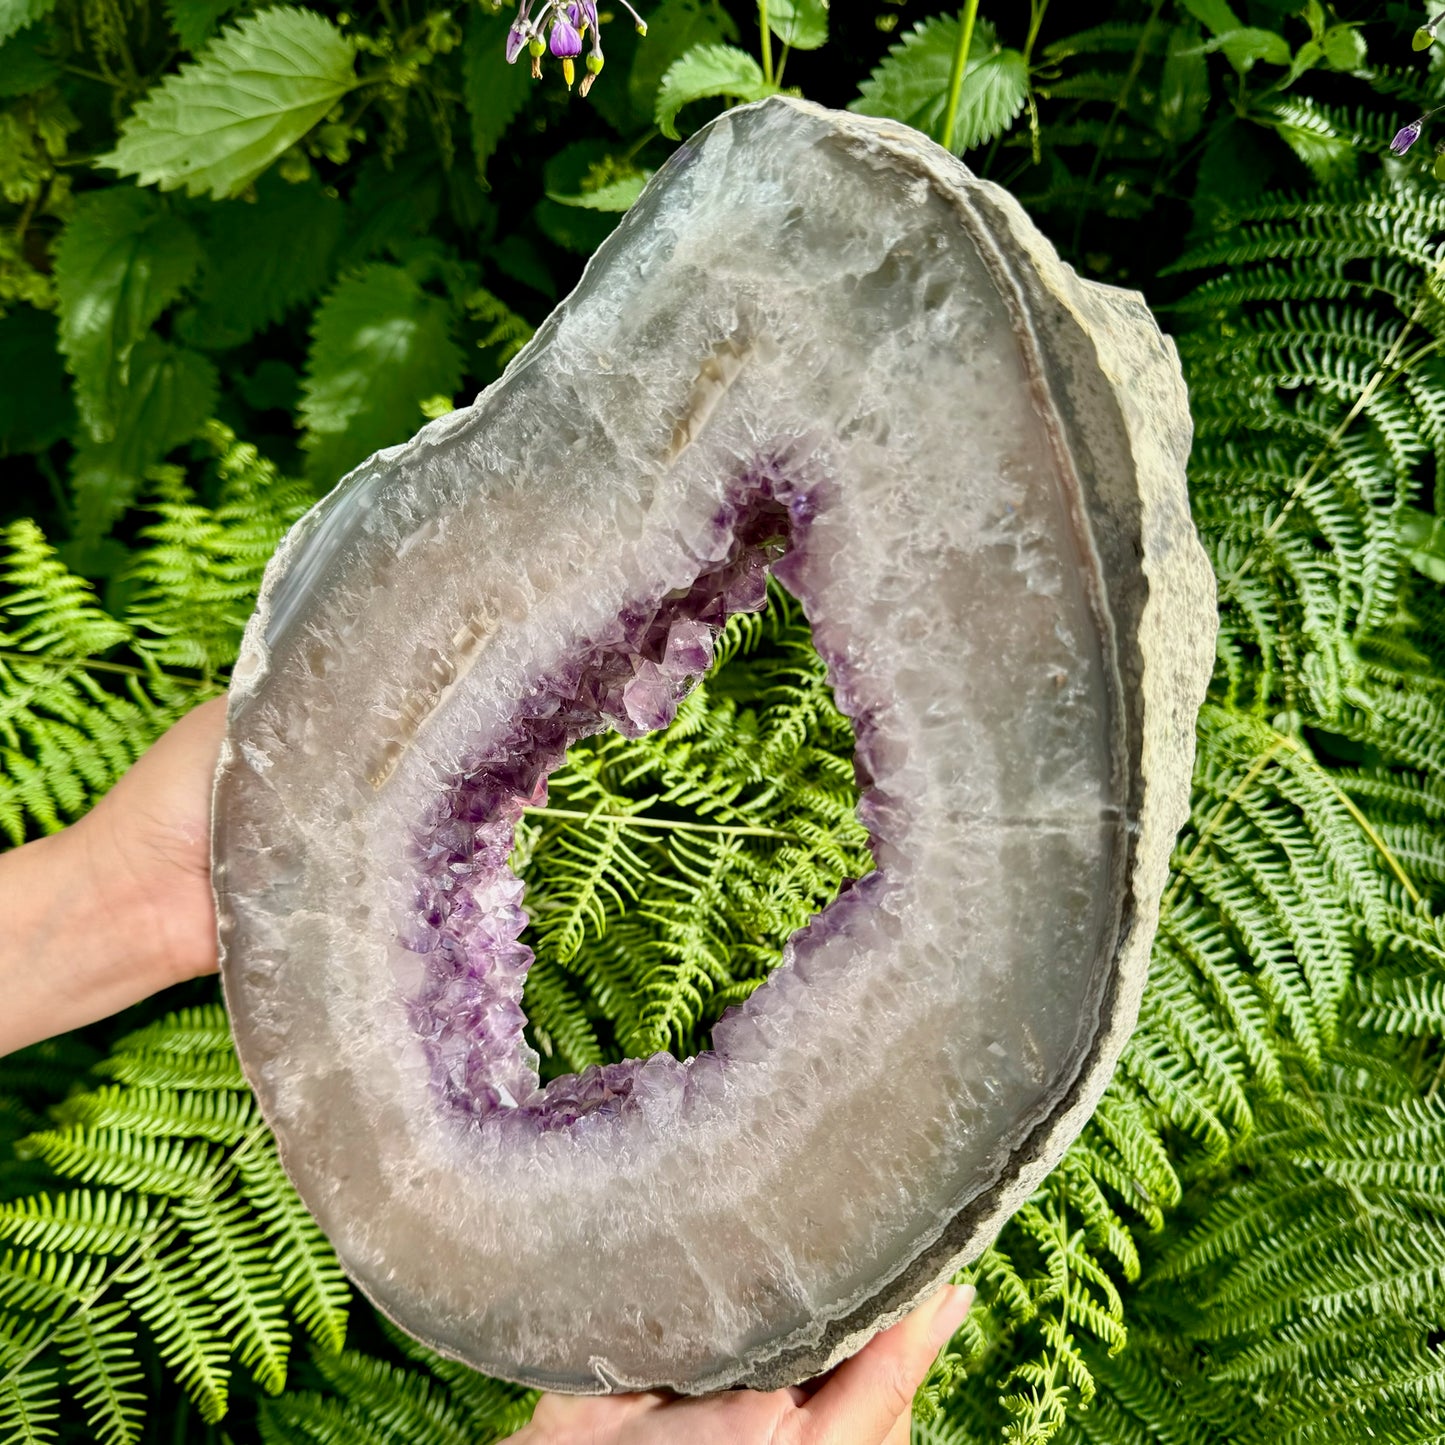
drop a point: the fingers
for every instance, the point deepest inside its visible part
(867, 1396)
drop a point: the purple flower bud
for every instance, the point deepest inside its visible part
(1405, 138)
(516, 43)
(565, 42)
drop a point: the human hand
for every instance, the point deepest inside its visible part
(118, 905)
(867, 1400)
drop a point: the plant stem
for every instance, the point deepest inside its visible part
(960, 69)
(767, 41)
(1036, 20)
(667, 824)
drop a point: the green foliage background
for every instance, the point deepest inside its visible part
(243, 245)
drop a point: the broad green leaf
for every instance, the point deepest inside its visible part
(195, 20)
(912, 83)
(15, 15)
(494, 91)
(36, 409)
(588, 176)
(1183, 87)
(613, 195)
(674, 28)
(120, 262)
(1215, 15)
(262, 258)
(217, 123)
(1345, 47)
(171, 395)
(390, 203)
(1246, 46)
(705, 71)
(24, 68)
(803, 24)
(380, 346)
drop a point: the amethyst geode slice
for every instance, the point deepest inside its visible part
(817, 345)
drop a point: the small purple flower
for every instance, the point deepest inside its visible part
(516, 43)
(1407, 137)
(565, 43)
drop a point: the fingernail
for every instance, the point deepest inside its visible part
(957, 1301)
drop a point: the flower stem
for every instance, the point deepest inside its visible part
(636, 820)
(767, 41)
(960, 69)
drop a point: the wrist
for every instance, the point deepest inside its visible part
(157, 912)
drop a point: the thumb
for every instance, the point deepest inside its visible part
(866, 1395)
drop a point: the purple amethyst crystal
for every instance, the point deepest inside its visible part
(817, 346)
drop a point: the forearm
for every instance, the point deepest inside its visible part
(119, 904)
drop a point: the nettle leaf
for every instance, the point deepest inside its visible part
(1183, 87)
(912, 83)
(15, 15)
(380, 346)
(216, 124)
(1244, 47)
(195, 20)
(24, 67)
(262, 258)
(616, 194)
(172, 393)
(1344, 47)
(706, 71)
(494, 91)
(120, 262)
(1215, 15)
(36, 409)
(673, 29)
(803, 24)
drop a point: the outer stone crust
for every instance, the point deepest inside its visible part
(1111, 419)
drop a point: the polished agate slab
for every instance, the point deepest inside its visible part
(818, 345)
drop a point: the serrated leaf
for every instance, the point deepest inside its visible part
(803, 24)
(380, 346)
(1345, 47)
(195, 20)
(1215, 15)
(494, 92)
(673, 29)
(120, 262)
(705, 71)
(15, 15)
(1245, 47)
(912, 83)
(263, 257)
(36, 409)
(24, 67)
(1183, 87)
(171, 394)
(613, 195)
(216, 124)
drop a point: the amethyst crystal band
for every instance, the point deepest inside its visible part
(815, 343)
(468, 910)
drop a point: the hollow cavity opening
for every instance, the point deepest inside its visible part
(669, 805)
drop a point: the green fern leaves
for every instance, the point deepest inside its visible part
(83, 692)
(665, 874)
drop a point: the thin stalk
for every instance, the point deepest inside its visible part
(666, 824)
(1036, 20)
(959, 71)
(767, 41)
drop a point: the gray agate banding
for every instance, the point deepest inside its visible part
(816, 344)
